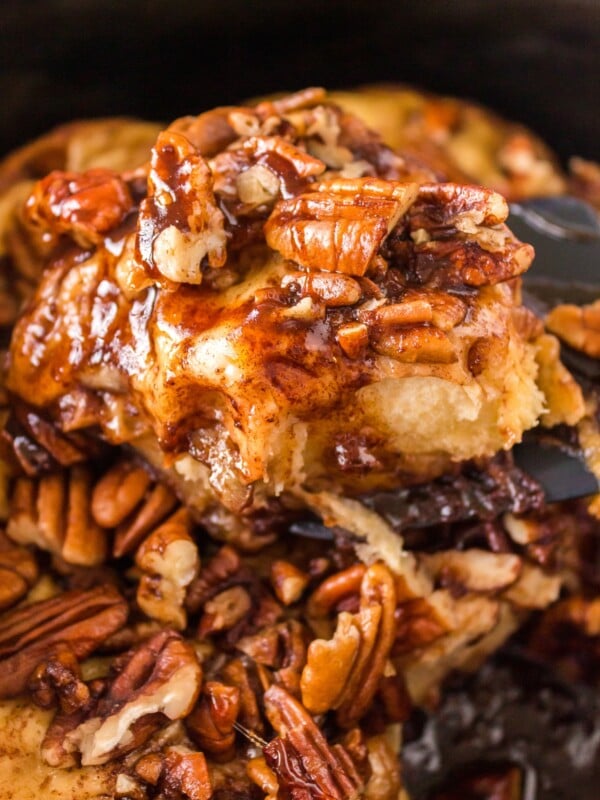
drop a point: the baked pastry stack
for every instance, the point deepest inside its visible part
(233, 359)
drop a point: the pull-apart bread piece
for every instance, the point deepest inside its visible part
(277, 302)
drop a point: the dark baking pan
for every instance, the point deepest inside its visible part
(538, 62)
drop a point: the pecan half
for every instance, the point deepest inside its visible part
(128, 499)
(215, 575)
(85, 205)
(53, 512)
(442, 206)
(169, 560)
(179, 223)
(81, 619)
(305, 764)
(341, 227)
(161, 679)
(39, 446)
(578, 326)
(344, 672)
(211, 722)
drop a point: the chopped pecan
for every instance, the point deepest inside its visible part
(564, 397)
(18, 572)
(263, 776)
(211, 722)
(118, 492)
(176, 773)
(420, 344)
(353, 338)
(584, 180)
(169, 560)
(185, 776)
(276, 157)
(237, 673)
(305, 764)
(568, 635)
(161, 679)
(214, 576)
(53, 512)
(223, 611)
(341, 227)
(578, 326)
(81, 619)
(442, 206)
(179, 222)
(344, 672)
(281, 647)
(288, 581)
(57, 680)
(85, 205)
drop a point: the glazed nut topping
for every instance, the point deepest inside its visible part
(179, 222)
(84, 206)
(276, 326)
(341, 227)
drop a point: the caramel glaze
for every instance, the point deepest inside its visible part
(245, 370)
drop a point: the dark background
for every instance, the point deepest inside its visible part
(534, 61)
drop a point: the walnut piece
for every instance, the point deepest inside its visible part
(340, 227)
